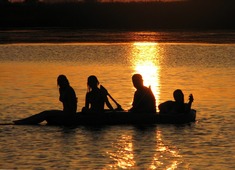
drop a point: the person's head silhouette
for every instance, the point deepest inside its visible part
(137, 81)
(62, 81)
(178, 96)
(92, 82)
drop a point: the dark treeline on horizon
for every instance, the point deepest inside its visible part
(192, 14)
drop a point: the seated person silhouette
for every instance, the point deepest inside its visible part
(178, 106)
(144, 100)
(96, 98)
(68, 99)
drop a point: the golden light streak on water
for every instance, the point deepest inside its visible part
(124, 156)
(164, 152)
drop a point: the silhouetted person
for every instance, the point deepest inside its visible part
(67, 95)
(96, 98)
(178, 106)
(144, 100)
(68, 99)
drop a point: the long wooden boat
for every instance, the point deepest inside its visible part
(124, 117)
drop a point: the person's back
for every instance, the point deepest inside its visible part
(144, 100)
(171, 107)
(95, 97)
(67, 95)
(96, 100)
(69, 100)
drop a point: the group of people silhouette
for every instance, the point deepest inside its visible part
(97, 97)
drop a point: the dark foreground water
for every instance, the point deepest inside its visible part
(28, 73)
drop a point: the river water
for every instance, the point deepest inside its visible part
(199, 63)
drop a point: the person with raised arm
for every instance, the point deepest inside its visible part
(178, 106)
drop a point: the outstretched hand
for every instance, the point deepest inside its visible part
(191, 98)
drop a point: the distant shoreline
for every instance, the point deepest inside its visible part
(61, 35)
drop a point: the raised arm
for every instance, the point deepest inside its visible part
(189, 104)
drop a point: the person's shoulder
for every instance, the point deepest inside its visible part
(169, 102)
(88, 93)
(98, 91)
(147, 90)
(144, 89)
(95, 92)
(71, 89)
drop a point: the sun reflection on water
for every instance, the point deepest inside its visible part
(124, 156)
(165, 156)
(145, 61)
(126, 152)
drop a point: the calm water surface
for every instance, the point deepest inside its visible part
(28, 73)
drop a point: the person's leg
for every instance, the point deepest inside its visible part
(37, 118)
